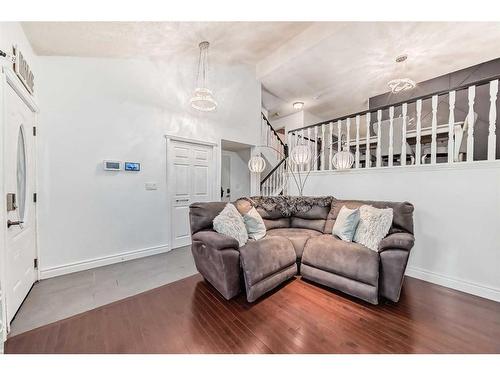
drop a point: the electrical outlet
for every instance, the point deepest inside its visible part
(151, 186)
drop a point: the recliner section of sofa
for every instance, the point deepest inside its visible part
(267, 263)
(299, 237)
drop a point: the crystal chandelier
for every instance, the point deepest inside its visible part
(203, 98)
(401, 84)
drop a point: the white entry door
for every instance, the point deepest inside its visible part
(19, 180)
(190, 178)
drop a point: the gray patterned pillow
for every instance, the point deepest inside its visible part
(230, 223)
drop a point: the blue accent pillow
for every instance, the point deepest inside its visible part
(346, 223)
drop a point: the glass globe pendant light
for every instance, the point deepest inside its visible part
(300, 154)
(203, 98)
(344, 159)
(256, 164)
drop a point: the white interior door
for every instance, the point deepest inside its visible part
(190, 178)
(19, 175)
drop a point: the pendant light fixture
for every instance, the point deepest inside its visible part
(256, 164)
(401, 84)
(300, 155)
(203, 98)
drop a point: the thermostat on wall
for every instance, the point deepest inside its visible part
(111, 165)
(132, 166)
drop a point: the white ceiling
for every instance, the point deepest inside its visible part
(334, 67)
(346, 63)
(244, 42)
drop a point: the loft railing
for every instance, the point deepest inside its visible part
(449, 126)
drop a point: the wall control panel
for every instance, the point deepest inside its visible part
(111, 165)
(132, 166)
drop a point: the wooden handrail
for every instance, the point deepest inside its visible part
(275, 133)
(272, 171)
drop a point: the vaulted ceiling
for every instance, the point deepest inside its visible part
(241, 42)
(333, 67)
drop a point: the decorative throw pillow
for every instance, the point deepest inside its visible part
(230, 223)
(254, 224)
(346, 223)
(374, 224)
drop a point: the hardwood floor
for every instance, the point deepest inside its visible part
(189, 316)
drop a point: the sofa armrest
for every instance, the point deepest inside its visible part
(402, 241)
(216, 240)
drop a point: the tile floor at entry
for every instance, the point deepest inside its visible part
(60, 297)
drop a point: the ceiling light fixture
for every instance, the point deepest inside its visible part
(401, 84)
(298, 105)
(203, 98)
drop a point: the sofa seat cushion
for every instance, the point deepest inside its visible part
(263, 258)
(347, 259)
(297, 236)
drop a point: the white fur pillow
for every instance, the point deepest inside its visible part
(230, 223)
(374, 224)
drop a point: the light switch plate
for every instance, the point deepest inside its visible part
(151, 186)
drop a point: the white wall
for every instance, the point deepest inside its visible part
(310, 119)
(289, 122)
(95, 109)
(457, 218)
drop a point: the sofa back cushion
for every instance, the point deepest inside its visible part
(310, 212)
(294, 212)
(402, 213)
(202, 215)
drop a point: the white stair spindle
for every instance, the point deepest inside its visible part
(339, 135)
(418, 151)
(357, 141)
(451, 126)
(492, 138)
(310, 145)
(404, 111)
(470, 121)
(315, 165)
(263, 132)
(302, 167)
(391, 135)
(434, 129)
(323, 142)
(331, 146)
(379, 150)
(275, 181)
(348, 133)
(368, 156)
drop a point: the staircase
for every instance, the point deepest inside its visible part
(275, 153)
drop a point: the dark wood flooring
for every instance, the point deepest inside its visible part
(189, 316)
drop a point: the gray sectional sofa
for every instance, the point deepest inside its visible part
(299, 241)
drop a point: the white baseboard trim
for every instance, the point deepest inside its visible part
(101, 261)
(454, 283)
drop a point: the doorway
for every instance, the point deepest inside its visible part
(191, 177)
(236, 179)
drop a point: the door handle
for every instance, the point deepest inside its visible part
(182, 200)
(11, 223)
